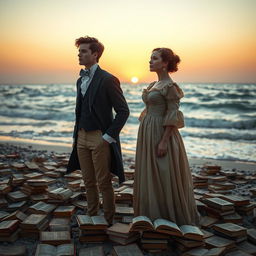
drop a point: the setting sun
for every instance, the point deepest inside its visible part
(134, 79)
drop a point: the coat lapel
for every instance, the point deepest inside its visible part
(95, 83)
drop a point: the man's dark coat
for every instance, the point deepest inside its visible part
(105, 95)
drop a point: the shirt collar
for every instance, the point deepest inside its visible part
(93, 69)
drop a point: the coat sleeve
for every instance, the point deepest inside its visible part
(118, 102)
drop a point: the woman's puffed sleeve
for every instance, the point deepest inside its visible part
(173, 116)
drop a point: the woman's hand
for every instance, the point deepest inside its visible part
(161, 148)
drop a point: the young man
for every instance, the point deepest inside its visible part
(96, 132)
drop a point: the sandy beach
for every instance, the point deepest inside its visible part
(27, 150)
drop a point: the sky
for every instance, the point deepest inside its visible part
(215, 39)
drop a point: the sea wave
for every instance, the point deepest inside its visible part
(221, 123)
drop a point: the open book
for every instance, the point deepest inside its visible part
(51, 250)
(91, 222)
(143, 223)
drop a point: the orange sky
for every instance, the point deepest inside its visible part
(215, 39)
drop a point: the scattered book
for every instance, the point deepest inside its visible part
(64, 211)
(251, 234)
(218, 242)
(60, 193)
(41, 208)
(55, 237)
(13, 250)
(59, 250)
(218, 203)
(92, 251)
(247, 247)
(91, 222)
(59, 224)
(126, 250)
(120, 233)
(230, 229)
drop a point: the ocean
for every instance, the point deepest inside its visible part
(220, 118)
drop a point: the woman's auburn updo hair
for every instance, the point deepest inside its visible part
(169, 56)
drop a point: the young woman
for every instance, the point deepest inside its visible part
(163, 186)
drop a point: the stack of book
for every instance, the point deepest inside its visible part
(120, 233)
(129, 174)
(35, 186)
(192, 237)
(59, 250)
(33, 225)
(74, 185)
(17, 196)
(9, 230)
(200, 181)
(17, 250)
(125, 196)
(220, 242)
(246, 210)
(17, 179)
(92, 251)
(217, 207)
(64, 211)
(59, 224)
(92, 229)
(231, 231)
(33, 175)
(122, 210)
(210, 170)
(76, 175)
(55, 237)
(129, 250)
(53, 174)
(150, 240)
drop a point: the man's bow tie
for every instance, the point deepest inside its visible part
(84, 72)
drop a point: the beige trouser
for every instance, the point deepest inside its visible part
(94, 158)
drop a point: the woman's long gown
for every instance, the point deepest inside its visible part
(163, 187)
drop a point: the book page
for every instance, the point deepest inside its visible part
(189, 229)
(167, 223)
(99, 220)
(65, 250)
(45, 249)
(142, 219)
(84, 220)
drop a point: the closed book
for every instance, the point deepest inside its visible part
(8, 226)
(127, 250)
(13, 250)
(33, 221)
(55, 237)
(92, 251)
(64, 211)
(218, 203)
(230, 229)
